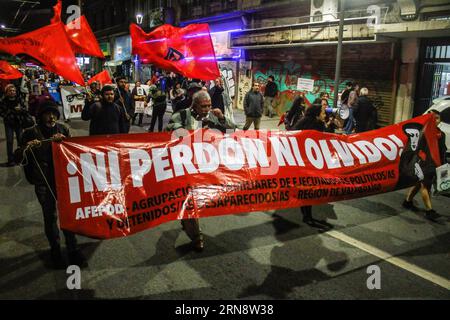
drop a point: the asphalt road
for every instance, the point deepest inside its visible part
(261, 255)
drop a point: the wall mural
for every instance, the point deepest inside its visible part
(245, 82)
(287, 73)
(286, 76)
(228, 71)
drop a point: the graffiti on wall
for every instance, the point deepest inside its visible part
(245, 82)
(287, 73)
(228, 71)
(286, 76)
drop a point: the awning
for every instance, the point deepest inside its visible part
(417, 29)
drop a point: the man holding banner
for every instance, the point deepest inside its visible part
(36, 146)
(198, 116)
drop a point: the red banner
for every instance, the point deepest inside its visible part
(102, 77)
(50, 47)
(82, 38)
(8, 72)
(187, 51)
(112, 186)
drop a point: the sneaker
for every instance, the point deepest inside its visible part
(432, 215)
(77, 258)
(409, 205)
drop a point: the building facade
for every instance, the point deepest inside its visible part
(399, 49)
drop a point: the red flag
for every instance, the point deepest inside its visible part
(57, 8)
(102, 77)
(8, 72)
(188, 51)
(82, 38)
(50, 47)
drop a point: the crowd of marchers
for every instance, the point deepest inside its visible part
(32, 116)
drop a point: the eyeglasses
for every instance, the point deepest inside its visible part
(79, 96)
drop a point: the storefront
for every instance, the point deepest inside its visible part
(433, 79)
(369, 65)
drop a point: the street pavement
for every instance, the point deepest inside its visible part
(257, 256)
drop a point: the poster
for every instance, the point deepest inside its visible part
(73, 101)
(304, 84)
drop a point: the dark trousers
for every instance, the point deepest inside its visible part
(141, 116)
(192, 228)
(48, 205)
(9, 131)
(306, 212)
(158, 113)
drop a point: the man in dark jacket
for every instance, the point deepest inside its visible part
(269, 95)
(186, 103)
(364, 112)
(93, 95)
(11, 108)
(124, 100)
(36, 145)
(253, 107)
(106, 116)
(216, 94)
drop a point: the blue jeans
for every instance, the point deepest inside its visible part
(348, 128)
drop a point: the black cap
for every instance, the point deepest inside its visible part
(48, 106)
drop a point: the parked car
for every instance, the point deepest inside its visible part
(441, 105)
(443, 98)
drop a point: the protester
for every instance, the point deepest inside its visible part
(13, 111)
(331, 123)
(36, 146)
(187, 102)
(352, 101)
(270, 93)
(429, 175)
(253, 107)
(122, 97)
(199, 115)
(295, 113)
(93, 94)
(175, 93)
(159, 108)
(216, 94)
(313, 120)
(364, 112)
(138, 95)
(106, 116)
(39, 97)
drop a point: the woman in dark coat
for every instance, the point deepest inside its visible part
(295, 113)
(314, 119)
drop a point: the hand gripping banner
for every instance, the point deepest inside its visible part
(112, 186)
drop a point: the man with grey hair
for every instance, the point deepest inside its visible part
(198, 116)
(364, 112)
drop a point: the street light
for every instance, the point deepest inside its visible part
(3, 26)
(139, 18)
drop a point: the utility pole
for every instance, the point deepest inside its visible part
(337, 73)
